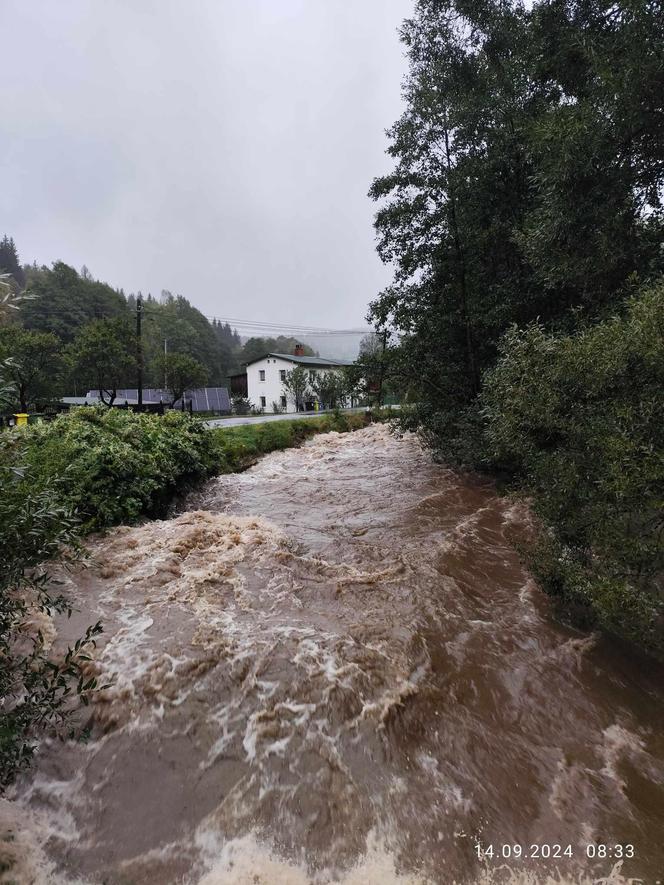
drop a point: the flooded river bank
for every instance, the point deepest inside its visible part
(333, 667)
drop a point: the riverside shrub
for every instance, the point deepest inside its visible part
(38, 689)
(111, 465)
(580, 418)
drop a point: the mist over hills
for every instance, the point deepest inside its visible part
(342, 347)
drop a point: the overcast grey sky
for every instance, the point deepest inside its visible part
(221, 149)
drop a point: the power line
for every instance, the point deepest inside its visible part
(280, 328)
(255, 326)
(310, 329)
(272, 331)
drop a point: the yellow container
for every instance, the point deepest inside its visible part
(21, 418)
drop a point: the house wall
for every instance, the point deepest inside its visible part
(272, 387)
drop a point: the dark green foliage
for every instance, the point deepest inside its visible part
(241, 405)
(597, 146)
(376, 374)
(581, 419)
(113, 466)
(62, 301)
(590, 595)
(37, 688)
(186, 331)
(331, 388)
(103, 357)
(228, 349)
(9, 263)
(182, 372)
(33, 365)
(296, 386)
(527, 180)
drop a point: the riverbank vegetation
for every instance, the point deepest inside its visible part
(37, 689)
(579, 419)
(111, 465)
(524, 222)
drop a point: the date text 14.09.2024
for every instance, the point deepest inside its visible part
(593, 851)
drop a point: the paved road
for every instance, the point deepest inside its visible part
(262, 419)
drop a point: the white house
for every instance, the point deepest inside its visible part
(265, 378)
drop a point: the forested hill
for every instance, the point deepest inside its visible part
(73, 310)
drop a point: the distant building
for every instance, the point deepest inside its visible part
(204, 399)
(266, 375)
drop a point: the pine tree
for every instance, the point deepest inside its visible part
(9, 262)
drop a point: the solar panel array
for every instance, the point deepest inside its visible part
(204, 399)
(207, 399)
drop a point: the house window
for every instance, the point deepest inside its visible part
(263, 402)
(282, 374)
(261, 374)
(283, 402)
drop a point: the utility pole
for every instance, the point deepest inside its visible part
(139, 350)
(165, 364)
(382, 369)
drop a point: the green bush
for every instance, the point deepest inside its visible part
(112, 465)
(37, 690)
(580, 418)
(453, 433)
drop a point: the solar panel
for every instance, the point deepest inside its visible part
(204, 399)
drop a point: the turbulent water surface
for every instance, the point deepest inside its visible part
(333, 667)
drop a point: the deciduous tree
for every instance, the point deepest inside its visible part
(32, 364)
(103, 354)
(330, 387)
(296, 386)
(527, 182)
(182, 372)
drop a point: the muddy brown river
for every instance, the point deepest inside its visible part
(334, 668)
